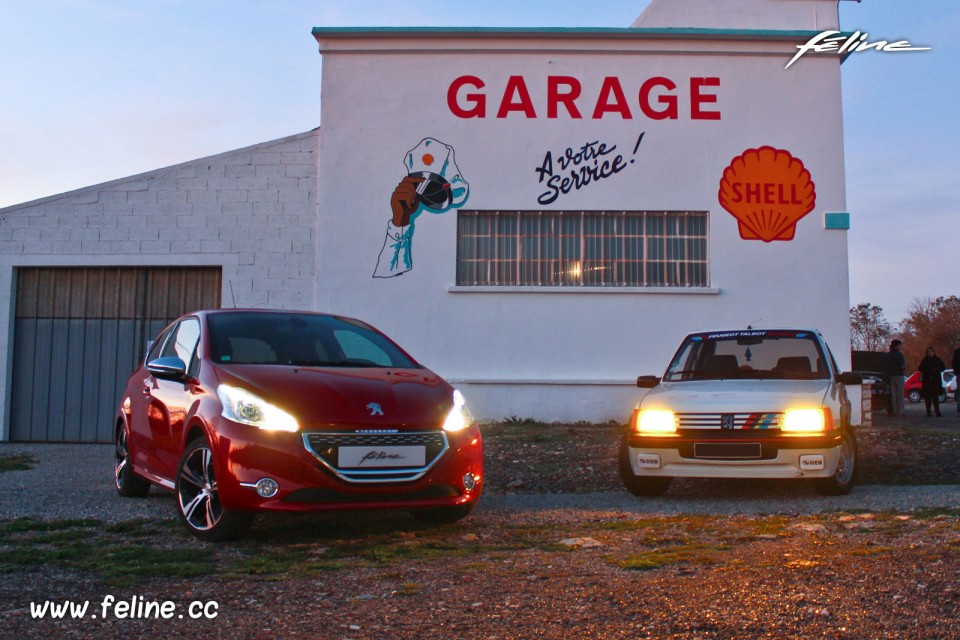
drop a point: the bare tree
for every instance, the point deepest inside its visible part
(931, 322)
(869, 330)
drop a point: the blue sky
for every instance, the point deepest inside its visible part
(95, 90)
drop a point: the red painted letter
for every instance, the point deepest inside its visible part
(697, 98)
(555, 98)
(516, 87)
(670, 110)
(477, 100)
(611, 86)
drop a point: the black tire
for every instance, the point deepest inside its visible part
(845, 476)
(198, 500)
(643, 486)
(914, 396)
(444, 515)
(127, 483)
(943, 397)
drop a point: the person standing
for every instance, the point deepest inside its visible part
(930, 369)
(896, 368)
(956, 371)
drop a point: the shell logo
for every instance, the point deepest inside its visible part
(768, 191)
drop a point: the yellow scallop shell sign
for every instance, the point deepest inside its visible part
(768, 191)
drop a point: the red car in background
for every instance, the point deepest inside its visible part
(243, 411)
(913, 388)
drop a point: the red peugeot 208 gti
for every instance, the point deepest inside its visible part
(241, 411)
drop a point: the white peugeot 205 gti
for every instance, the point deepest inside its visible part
(743, 404)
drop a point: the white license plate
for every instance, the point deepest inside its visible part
(376, 457)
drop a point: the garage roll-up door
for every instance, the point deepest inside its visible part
(80, 332)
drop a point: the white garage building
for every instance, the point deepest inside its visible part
(539, 215)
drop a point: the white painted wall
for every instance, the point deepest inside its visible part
(251, 212)
(568, 354)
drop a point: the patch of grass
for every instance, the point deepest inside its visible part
(870, 550)
(930, 514)
(769, 526)
(408, 589)
(21, 525)
(549, 467)
(17, 462)
(90, 545)
(694, 553)
(284, 562)
(635, 525)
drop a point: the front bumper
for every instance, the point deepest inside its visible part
(244, 455)
(713, 454)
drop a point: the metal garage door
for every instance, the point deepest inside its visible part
(80, 332)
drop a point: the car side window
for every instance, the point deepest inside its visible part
(184, 341)
(157, 344)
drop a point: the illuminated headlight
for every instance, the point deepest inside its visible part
(458, 419)
(244, 407)
(656, 421)
(804, 420)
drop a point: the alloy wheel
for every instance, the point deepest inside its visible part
(120, 458)
(197, 490)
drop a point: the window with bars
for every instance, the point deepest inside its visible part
(582, 248)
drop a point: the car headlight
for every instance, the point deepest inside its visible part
(458, 419)
(656, 421)
(244, 407)
(804, 420)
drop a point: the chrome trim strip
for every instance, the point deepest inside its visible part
(408, 474)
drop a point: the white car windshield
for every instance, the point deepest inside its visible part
(753, 354)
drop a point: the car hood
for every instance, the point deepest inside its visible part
(339, 397)
(736, 396)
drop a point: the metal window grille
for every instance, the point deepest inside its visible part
(582, 248)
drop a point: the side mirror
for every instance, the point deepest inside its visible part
(648, 382)
(168, 367)
(850, 378)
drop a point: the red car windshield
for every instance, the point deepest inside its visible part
(300, 339)
(779, 355)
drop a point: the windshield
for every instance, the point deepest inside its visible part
(779, 355)
(300, 339)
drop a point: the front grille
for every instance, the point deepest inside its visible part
(332, 495)
(325, 446)
(727, 450)
(730, 421)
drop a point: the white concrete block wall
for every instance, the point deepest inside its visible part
(252, 212)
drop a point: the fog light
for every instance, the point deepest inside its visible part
(469, 482)
(267, 487)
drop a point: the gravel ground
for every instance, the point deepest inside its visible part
(912, 462)
(710, 559)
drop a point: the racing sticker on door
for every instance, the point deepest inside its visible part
(433, 184)
(768, 191)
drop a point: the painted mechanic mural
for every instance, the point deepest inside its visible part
(433, 184)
